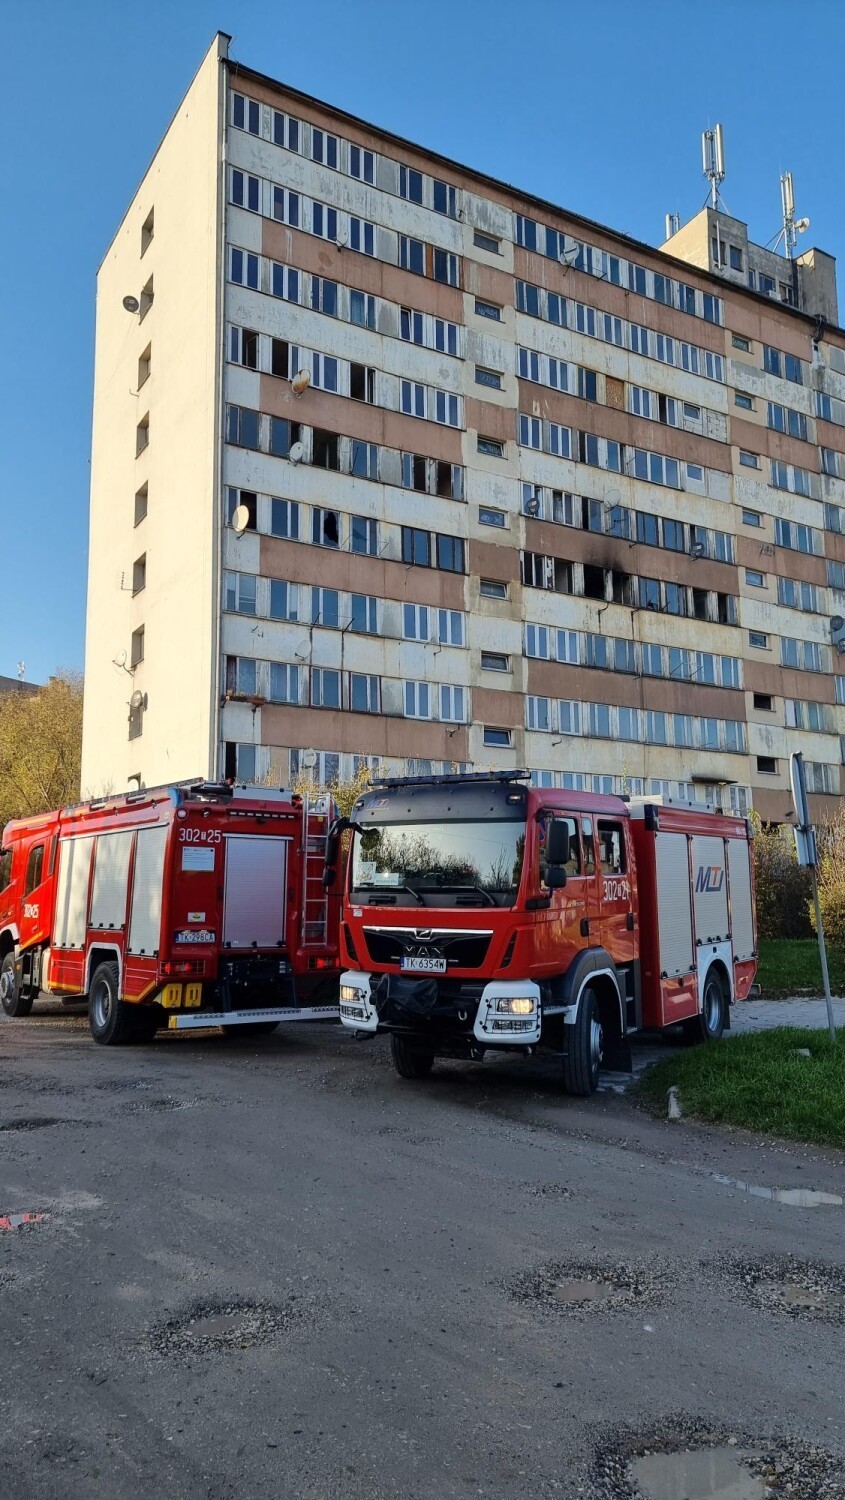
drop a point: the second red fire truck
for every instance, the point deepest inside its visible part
(192, 905)
(484, 914)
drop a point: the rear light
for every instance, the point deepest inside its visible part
(321, 963)
(183, 966)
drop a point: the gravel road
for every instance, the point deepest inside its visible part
(271, 1268)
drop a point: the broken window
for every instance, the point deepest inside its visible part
(593, 582)
(280, 358)
(699, 604)
(325, 449)
(362, 383)
(325, 527)
(413, 471)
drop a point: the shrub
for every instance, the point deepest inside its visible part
(832, 881)
(784, 888)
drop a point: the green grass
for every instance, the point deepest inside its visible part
(788, 966)
(757, 1082)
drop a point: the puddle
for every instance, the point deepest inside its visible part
(17, 1221)
(224, 1323)
(801, 1289)
(709, 1474)
(582, 1291)
(577, 1287)
(796, 1197)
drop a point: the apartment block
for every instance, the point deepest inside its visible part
(394, 464)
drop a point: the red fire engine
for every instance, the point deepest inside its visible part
(481, 913)
(200, 904)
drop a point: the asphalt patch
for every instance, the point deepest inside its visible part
(148, 1106)
(783, 1468)
(804, 1289)
(221, 1327)
(572, 1287)
(37, 1122)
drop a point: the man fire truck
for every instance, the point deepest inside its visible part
(200, 904)
(481, 913)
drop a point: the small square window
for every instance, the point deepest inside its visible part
(492, 378)
(494, 661)
(486, 242)
(748, 460)
(146, 300)
(767, 765)
(144, 366)
(755, 578)
(491, 588)
(147, 230)
(500, 738)
(489, 310)
(758, 639)
(745, 402)
(489, 517)
(741, 343)
(751, 517)
(493, 447)
(139, 574)
(141, 498)
(137, 647)
(765, 702)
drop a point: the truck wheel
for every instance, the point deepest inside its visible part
(709, 1024)
(584, 1044)
(13, 1002)
(410, 1059)
(112, 1021)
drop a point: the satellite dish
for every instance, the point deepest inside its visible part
(132, 304)
(802, 225)
(532, 506)
(136, 700)
(570, 252)
(836, 622)
(343, 239)
(240, 520)
(300, 382)
(613, 498)
(297, 453)
(308, 759)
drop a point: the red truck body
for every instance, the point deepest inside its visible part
(203, 904)
(482, 913)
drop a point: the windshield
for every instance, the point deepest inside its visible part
(442, 863)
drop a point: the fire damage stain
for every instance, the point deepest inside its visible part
(681, 1456)
(213, 1328)
(579, 1286)
(799, 1288)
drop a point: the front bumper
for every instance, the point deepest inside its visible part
(508, 1013)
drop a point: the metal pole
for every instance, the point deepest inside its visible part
(823, 956)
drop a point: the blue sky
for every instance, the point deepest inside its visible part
(598, 106)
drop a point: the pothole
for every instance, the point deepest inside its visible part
(800, 1288)
(21, 1220)
(35, 1122)
(550, 1190)
(577, 1286)
(148, 1106)
(683, 1459)
(215, 1327)
(795, 1197)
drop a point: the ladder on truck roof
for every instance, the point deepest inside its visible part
(315, 898)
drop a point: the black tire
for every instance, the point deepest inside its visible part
(147, 1021)
(13, 1002)
(112, 1020)
(584, 1044)
(411, 1059)
(709, 1024)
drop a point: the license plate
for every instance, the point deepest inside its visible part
(423, 965)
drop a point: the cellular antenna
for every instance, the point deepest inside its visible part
(713, 160)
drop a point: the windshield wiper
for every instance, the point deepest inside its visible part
(387, 889)
(479, 888)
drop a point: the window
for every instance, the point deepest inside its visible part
(242, 426)
(325, 527)
(361, 164)
(284, 282)
(362, 383)
(751, 517)
(362, 309)
(749, 460)
(624, 655)
(417, 700)
(767, 765)
(246, 114)
(488, 310)
(489, 517)
(600, 720)
(139, 574)
(764, 702)
(740, 399)
(538, 714)
(628, 724)
(415, 622)
(682, 728)
(491, 378)
(283, 600)
(587, 384)
(758, 639)
(416, 547)
(142, 435)
(363, 536)
(445, 267)
(499, 738)
(245, 191)
(755, 578)
(649, 593)
(284, 683)
(243, 347)
(362, 236)
(494, 661)
(410, 184)
(141, 499)
(447, 408)
(147, 231)
(136, 719)
(486, 242)
(325, 449)
(136, 654)
(324, 296)
(741, 343)
(611, 843)
(491, 588)
(412, 398)
(363, 614)
(284, 518)
(452, 704)
(653, 661)
(445, 199)
(144, 365)
(240, 593)
(241, 675)
(656, 728)
(412, 254)
(323, 147)
(735, 255)
(414, 471)
(285, 131)
(248, 500)
(364, 459)
(283, 435)
(648, 529)
(450, 554)
(325, 688)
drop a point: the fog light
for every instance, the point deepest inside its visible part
(516, 1005)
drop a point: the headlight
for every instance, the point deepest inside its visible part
(351, 992)
(516, 1005)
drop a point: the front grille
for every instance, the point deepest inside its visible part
(463, 951)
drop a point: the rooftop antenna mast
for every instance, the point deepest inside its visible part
(713, 158)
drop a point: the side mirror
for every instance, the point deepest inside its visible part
(555, 877)
(557, 846)
(338, 827)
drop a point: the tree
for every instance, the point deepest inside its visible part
(783, 886)
(831, 838)
(40, 747)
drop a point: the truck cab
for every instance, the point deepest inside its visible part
(483, 914)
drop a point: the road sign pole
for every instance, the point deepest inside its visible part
(831, 1024)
